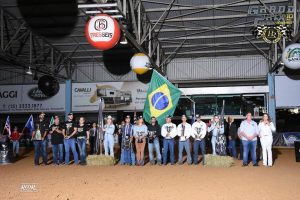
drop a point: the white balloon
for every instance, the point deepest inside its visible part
(291, 56)
(140, 63)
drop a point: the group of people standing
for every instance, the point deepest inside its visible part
(160, 140)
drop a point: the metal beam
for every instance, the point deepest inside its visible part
(215, 51)
(207, 37)
(181, 7)
(204, 18)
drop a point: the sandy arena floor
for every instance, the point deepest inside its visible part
(153, 182)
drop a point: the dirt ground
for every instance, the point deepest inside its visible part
(153, 182)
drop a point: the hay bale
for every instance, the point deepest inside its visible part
(219, 161)
(100, 160)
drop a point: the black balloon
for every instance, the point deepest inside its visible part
(146, 77)
(48, 85)
(117, 59)
(50, 18)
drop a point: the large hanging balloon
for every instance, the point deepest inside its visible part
(102, 32)
(146, 77)
(48, 85)
(50, 18)
(291, 56)
(117, 59)
(140, 63)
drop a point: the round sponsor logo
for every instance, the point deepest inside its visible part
(102, 32)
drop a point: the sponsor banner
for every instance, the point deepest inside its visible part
(291, 137)
(28, 98)
(116, 96)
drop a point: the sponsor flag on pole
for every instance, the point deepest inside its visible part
(7, 126)
(162, 98)
(29, 124)
(51, 121)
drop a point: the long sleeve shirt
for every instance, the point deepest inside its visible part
(109, 129)
(265, 129)
(184, 131)
(249, 129)
(169, 131)
(199, 130)
(215, 130)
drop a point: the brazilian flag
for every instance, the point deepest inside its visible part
(162, 98)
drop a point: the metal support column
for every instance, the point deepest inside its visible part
(271, 97)
(68, 100)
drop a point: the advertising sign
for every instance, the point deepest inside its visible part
(116, 96)
(28, 98)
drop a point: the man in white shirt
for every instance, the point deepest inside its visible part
(184, 131)
(168, 131)
(198, 133)
(248, 134)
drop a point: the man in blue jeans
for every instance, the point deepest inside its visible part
(168, 131)
(248, 133)
(69, 131)
(184, 133)
(199, 130)
(57, 139)
(153, 141)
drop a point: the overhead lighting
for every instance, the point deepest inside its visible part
(29, 71)
(123, 39)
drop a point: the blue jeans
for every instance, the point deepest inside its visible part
(249, 146)
(151, 147)
(58, 154)
(70, 143)
(232, 148)
(241, 150)
(38, 150)
(127, 156)
(109, 144)
(213, 144)
(16, 147)
(81, 142)
(184, 145)
(168, 146)
(197, 144)
(44, 152)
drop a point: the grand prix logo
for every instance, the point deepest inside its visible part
(100, 24)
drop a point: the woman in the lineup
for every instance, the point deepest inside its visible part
(93, 139)
(109, 130)
(232, 136)
(140, 132)
(83, 137)
(266, 127)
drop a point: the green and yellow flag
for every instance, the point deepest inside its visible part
(162, 98)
